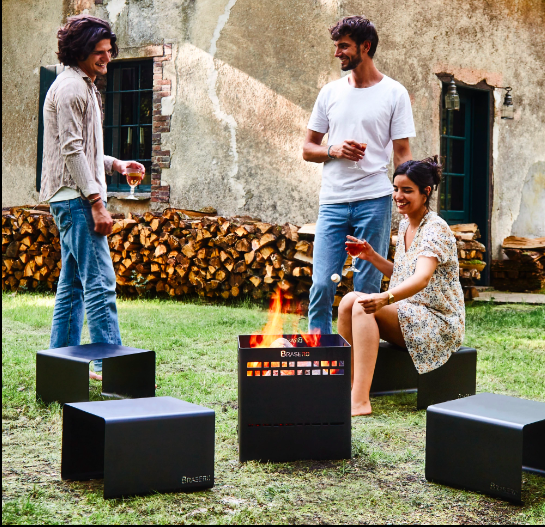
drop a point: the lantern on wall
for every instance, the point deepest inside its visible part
(452, 99)
(507, 109)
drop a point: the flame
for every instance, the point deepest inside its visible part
(313, 338)
(274, 328)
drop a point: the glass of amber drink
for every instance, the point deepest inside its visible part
(363, 146)
(354, 248)
(134, 179)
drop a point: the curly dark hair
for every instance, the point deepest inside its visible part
(425, 173)
(79, 36)
(359, 29)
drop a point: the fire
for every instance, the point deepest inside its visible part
(312, 339)
(273, 330)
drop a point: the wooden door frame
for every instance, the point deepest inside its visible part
(480, 86)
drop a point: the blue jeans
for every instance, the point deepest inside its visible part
(86, 282)
(366, 219)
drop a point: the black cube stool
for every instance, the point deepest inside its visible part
(62, 374)
(482, 442)
(395, 373)
(156, 444)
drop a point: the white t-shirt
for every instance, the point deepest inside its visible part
(380, 114)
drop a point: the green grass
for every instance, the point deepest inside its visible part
(196, 361)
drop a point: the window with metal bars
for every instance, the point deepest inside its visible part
(128, 119)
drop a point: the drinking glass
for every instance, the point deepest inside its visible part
(363, 143)
(354, 248)
(134, 179)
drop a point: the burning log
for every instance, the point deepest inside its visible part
(281, 343)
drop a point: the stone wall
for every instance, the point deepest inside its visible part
(244, 76)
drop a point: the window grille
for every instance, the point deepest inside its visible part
(128, 119)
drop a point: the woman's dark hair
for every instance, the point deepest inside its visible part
(359, 29)
(79, 36)
(425, 173)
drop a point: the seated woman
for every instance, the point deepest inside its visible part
(423, 310)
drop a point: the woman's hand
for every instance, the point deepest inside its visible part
(367, 252)
(374, 302)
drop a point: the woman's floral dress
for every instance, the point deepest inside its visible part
(433, 320)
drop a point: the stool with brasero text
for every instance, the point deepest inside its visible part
(139, 446)
(483, 443)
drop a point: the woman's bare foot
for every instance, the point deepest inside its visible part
(93, 375)
(361, 409)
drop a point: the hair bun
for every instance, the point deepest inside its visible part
(436, 169)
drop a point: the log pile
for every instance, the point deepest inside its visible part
(524, 268)
(211, 256)
(30, 248)
(177, 253)
(180, 252)
(470, 256)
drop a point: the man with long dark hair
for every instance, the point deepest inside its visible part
(366, 115)
(74, 184)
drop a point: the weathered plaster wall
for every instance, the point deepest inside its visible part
(245, 75)
(28, 42)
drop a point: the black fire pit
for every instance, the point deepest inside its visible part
(294, 402)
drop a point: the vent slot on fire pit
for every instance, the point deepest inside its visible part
(297, 424)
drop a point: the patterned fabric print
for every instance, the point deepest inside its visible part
(433, 320)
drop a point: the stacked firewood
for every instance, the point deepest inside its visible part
(180, 252)
(523, 270)
(177, 253)
(30, 248)
(209, 255)
(470, 257)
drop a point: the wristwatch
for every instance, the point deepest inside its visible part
(391, 298)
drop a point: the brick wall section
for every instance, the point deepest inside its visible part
(160, 158)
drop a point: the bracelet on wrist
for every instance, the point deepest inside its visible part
(328, 154)
(94, 200)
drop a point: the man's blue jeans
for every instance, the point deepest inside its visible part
(367, 219)
(86, 282)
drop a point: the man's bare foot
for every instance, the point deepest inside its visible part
(361, 409)
(96, 377)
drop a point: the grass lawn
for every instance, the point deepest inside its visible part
(196, 361)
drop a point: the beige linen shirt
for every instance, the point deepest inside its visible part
(71, 129)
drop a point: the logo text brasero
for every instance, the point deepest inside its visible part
(285, 353)
(196, 479)
(500, 488)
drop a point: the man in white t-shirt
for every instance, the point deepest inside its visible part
(364, 107)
